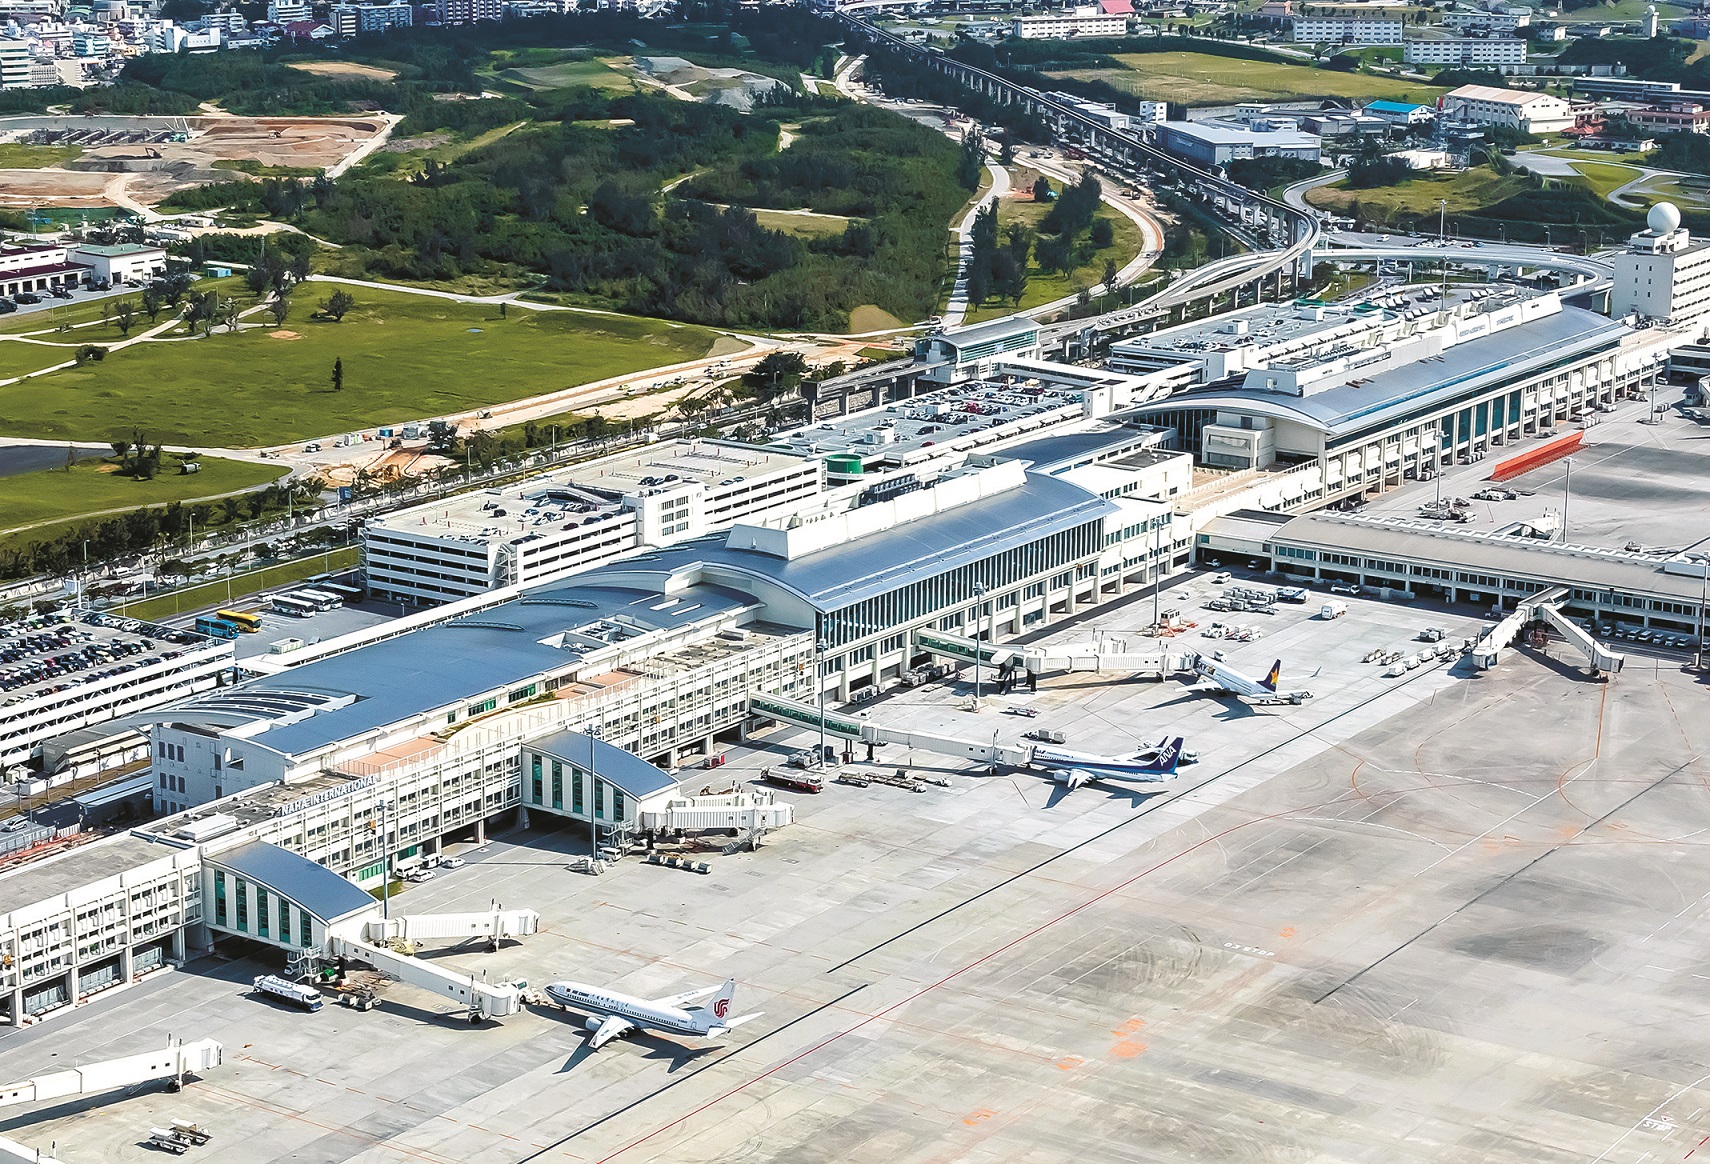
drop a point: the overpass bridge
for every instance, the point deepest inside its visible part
(1290, 232)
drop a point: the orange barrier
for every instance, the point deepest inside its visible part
(1542, 455)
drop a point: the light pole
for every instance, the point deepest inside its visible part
(1157, 572)
(385, 860)
(1442, 219)
(1567, 495)
(819, 686)
(979, 596)
(593, 795)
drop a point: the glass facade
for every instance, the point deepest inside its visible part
(917, 600)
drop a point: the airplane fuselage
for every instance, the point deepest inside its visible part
(640, 1011)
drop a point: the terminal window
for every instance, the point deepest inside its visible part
(557, 784)
(242, 906)
(219, 898)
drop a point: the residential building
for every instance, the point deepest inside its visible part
(353, 19)
(289, 11)
(1372, 30)
(1486, 21)
(1519, 109)
(1082, 22)
(1464, 50)
(15, 64)
(1675, 117)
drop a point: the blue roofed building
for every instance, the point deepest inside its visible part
(1402, 113)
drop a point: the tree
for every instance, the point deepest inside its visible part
(1006, 149)
(1108, 277)
(153, 303)
(338, 374)
(279, 307)
(777, 372)
(972, 163)
(1042, 190)
(125, 314)
(337, 305)
(1102, 233)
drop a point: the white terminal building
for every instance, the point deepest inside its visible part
(1019, 494)
(578, 517)
(1663, 274)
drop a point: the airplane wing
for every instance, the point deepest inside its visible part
(611, 1028)
(1073, 777)
(685, 998)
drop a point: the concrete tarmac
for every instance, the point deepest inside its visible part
(1448, 917)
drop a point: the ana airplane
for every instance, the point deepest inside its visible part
(1222, 679)
(1151, 751)
(1077, 768)
(611, 1014)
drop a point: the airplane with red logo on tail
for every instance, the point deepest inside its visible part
(611, 1014)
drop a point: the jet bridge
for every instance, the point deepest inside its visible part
(1545, 607)
(494, 925)
(982, 751)
(485, 1000)
(174, 1062)
(1101, 657)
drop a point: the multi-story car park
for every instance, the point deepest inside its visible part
(574, 518)
(57, 676)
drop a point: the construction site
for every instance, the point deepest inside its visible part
(132, 162)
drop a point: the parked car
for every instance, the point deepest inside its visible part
(27, 297)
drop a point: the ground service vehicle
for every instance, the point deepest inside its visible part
(279, 988)
(792, 778)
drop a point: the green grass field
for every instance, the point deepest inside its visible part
(18, 156)
(1046, 286)
(569, 72)
(405, 357)
(802, 225)
(240, 585)
(1467, 191)
(18, 359)
(57, 496)
(1202, 79)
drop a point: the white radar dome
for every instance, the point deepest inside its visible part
(1664, 218)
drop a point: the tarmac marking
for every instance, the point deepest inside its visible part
(979, 1117)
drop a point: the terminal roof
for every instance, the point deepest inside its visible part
(1384, 396)
(313, 887)
(1052, 454)
(612, 764)
(879, 563)
(440, 666)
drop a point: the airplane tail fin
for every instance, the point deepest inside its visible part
(1270, 681)
(717, 1009)
(1167, 758)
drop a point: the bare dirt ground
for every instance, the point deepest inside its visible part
(344, 69)
(143, 173)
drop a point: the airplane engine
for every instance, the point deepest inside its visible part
(592, 1024)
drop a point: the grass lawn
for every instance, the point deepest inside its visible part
(56, 496)
(216, 593)
(572, 71)
(18, 359)
(1467, 191)
(415, 161)
(868, 317)
(405, 357)
(18, 156)
(802, 225)
(1688, 195)
(1203, 79)
(1605, 177)
(1046, 286)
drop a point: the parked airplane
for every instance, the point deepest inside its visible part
(1151, 751)
(1077, 768)
(611, 1014)
(1222, 679)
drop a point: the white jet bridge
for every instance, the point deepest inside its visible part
(1545, 606)
(988, 752)
(494, 925)
(485, 1000)
(1101, 657)
(172, 1062)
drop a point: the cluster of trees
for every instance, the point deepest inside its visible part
(139, 459)
(996, 267)
(143, 529)
(1270, 172)
(1365, 173)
